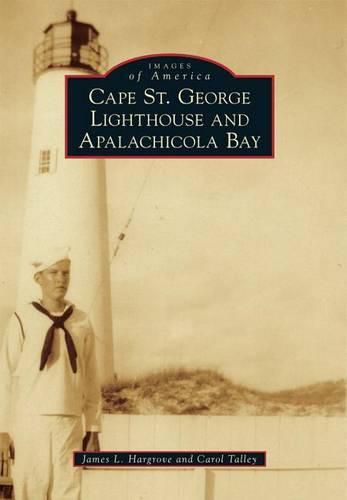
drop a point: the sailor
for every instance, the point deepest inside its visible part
(49, 389)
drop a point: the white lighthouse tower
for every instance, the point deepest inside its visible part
(66, 198)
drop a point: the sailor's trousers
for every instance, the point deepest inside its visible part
(43, 467)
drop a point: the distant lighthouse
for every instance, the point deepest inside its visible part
(66, 199)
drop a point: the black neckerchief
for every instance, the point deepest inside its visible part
(58, 322)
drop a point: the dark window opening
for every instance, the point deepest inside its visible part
(45, 160)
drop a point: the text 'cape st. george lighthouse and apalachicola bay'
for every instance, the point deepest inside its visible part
(170, 106)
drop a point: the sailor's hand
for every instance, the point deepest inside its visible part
(91, 441)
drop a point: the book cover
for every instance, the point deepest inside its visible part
(227, 275)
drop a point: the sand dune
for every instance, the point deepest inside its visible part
(206, 392)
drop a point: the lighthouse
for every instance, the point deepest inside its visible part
(66, 198)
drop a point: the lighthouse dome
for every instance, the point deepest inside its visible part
(70, 43)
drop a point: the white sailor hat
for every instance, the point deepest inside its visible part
(49, 256)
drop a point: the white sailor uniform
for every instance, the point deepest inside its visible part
(42, 409)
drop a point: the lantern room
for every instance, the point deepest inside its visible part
(71, 44)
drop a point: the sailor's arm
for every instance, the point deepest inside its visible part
(10, 352)
(92, 407)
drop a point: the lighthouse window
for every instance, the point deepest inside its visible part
(45, 160)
